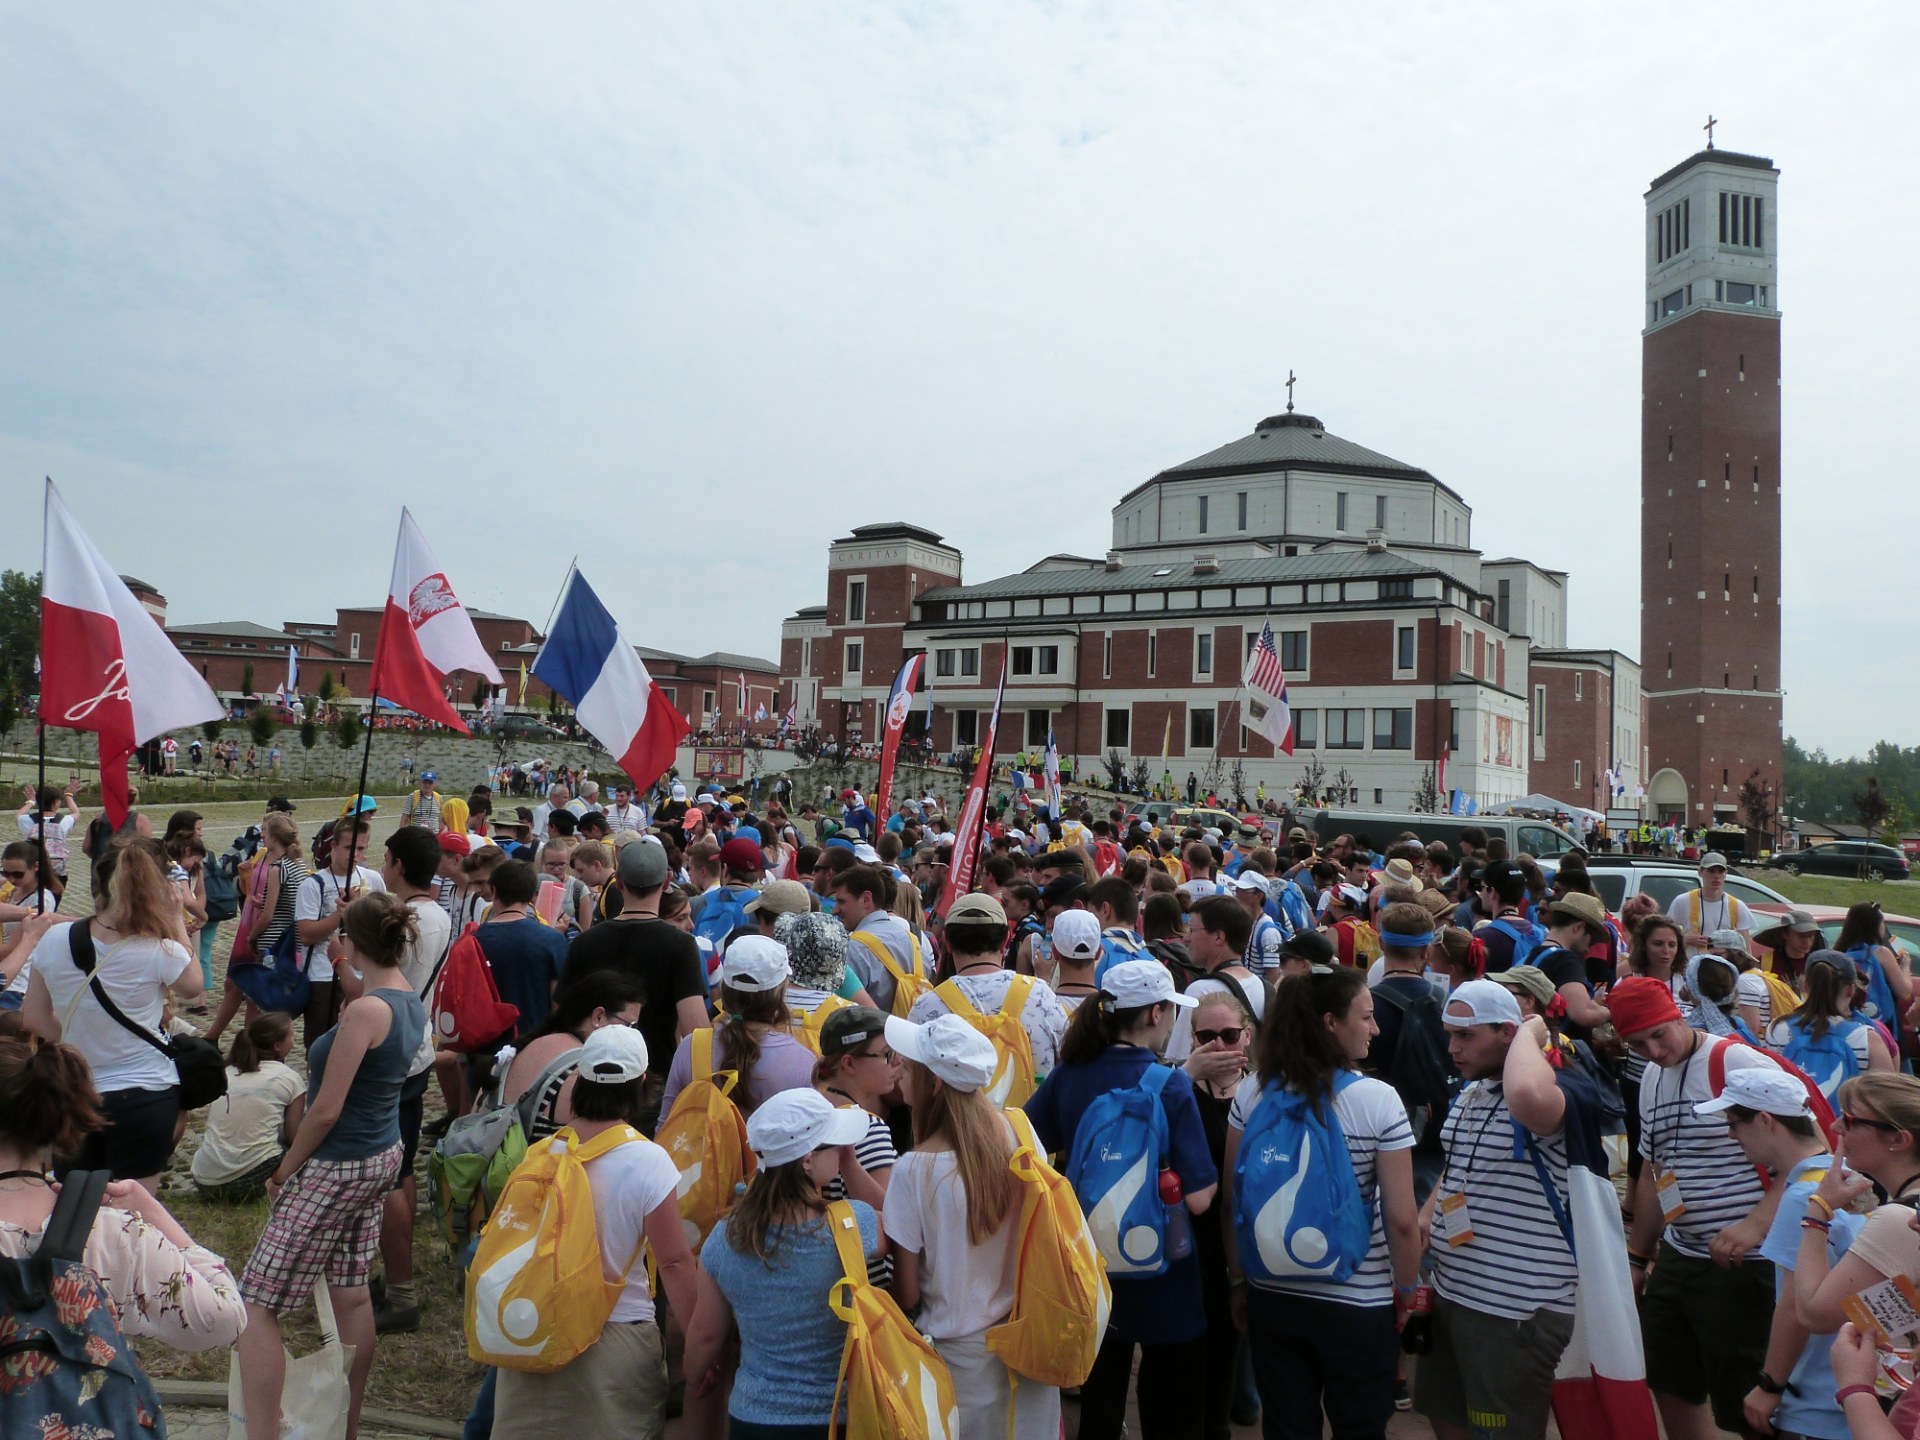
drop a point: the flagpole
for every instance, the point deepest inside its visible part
(43, 865)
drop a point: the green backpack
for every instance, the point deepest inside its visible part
(474, 1160)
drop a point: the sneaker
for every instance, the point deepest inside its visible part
(387, 1320)
(1402, 1397)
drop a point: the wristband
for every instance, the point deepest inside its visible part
(1766, 1382)
(1845, 1392)
(1812, 1224)
(1820, 1200)
(1638, 1262)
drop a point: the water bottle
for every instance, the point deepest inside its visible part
(1179, 1222)
(1042, 953)
(1416, 1332)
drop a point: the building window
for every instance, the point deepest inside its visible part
(1396, 589)
(1203, 654)
(856, 601)
(1118, 729)
(1453, 730)
(1106, 656)
(853, 670)
(1293, 649)
(353, 646)
(1579, 685)
(1379, 512)
(1340, 510)
(1306, 729)
(1405, 647)
(945, 662)
(1048, 659)
(1153, 652)
(969, 663)
(1022, 660)
(1039, 722)
(1672, 304)
(706, 702)
(1200, 729)
(1393, 729)
(1740, 293)
(1576, 774)
(1540, 712)
(966, 727)
(1203, 514)
(1240, 502)
(1346, 729)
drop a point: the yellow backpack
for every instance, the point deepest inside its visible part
(706, 1136)
(1013, 1081)
(1061, 1294)
(1782, 998)
(906, 988)
(537, 1295)
(895, 1384)
(806, 1028)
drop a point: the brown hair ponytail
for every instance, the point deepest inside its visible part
(380, 927)
(47, 1099)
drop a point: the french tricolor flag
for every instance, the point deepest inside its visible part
(589, 664)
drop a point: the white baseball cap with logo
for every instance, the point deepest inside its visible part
(1772, 1092)
(1137, 983)
(1076, 934)
(1486, 1004)
(613, 1055)
(948, 1046)
(795, 1123)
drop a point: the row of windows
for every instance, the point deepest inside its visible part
(1673, 230)
(1742, 220)
(1343, 729)
(1241, 597)
(1339, 511)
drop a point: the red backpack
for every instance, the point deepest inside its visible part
(1816, 1101)
(468, 1013)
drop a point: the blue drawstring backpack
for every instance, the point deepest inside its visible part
(1114, 1167)
(1527, 937)
(1828, 1059)
(723, 912)
(1297, 1209)
(1880, 1001)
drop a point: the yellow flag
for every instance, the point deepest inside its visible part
(1166, 740)
(523, 682)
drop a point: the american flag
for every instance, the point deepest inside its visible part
(1267, 708)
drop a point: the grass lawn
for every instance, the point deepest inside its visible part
(1896, 896)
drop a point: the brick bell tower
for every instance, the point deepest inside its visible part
(1710, 486)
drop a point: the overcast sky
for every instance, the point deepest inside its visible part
(689, 290)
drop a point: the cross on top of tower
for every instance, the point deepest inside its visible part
(1289, 390)
(1708, 127)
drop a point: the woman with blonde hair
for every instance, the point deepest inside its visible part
(133, 950)
(951, 1218)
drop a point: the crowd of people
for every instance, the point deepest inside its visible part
(1322, 1100)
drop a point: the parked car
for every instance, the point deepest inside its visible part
(1616, 877)
(1851, 859)
(1541, 839)
(524, 727)
(1168, 813)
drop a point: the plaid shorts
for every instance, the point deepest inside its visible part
(326, 1221)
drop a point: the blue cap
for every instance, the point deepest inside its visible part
(365, 806)
(429, 775)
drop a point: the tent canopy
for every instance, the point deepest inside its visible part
(1547, 805)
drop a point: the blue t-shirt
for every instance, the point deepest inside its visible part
(790, 1342)
(526, 957)
(1814, 1411)
(1162, 1309)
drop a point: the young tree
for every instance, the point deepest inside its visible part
(482, 687)
(9, 708)
(346, 730)
(210, 729)
(246, 678)
(1237, 782)
(19, 631)
(1213, 777)
(1756, 804)
(1871, 805)
(326, 691)
(1426, 798)
(1345, 792)
(309, 733)
(262, 726)
(1141, 776)
(1312, 781)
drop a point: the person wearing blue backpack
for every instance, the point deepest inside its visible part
(723, 909)
(1323, 1248)
(1863, 936)
(1822, 1037)
(1137, 1157)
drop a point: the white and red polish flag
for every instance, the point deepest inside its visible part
(425, 634)
(1600, 1386)
(107, 666)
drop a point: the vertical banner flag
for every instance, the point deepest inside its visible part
(1051, 764)
(293, 674)
(1600, 1387)
(523, 683)
(1440, 771)
(899, 703)
(109, 667)
(742, 706)
(1166, 738)
(589, 664)
(1268, 713)
(425, 635)
(966, 837)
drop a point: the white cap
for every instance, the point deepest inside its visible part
(1250, 880)
(1134, 983)
(1773, 1092)
(755, 962)
(866, 854)
(1076, 934)
(1486, 1002)
(795, 1123)
(948, 1046)
(679, 791)
(613, 1055)
(1723, 940)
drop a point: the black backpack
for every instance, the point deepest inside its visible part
(1421, 1070)
(1179, 962)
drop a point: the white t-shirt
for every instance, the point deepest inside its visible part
(136, 973)
(964, 1288)
(28, 901)
(1726, 913)
(1372, 1118)
(1042, 1018)
(419, 961)
(628, 1184)
(1204, 888)
(243, 1126)
(1751, 989)
(318, 897)
(1180, 1038)
(1718, 1184)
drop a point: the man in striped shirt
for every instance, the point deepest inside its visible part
(1706, 1295)
(1504, 1272)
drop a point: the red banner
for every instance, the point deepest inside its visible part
(966, 835)
(899, 702)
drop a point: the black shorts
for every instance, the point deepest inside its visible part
(137, 1140)
(1704, 1330)
(413, 1109)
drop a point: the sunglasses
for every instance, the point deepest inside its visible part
(14, 874)
(1228, 1035)
(1845, 1121)
(886, 1055)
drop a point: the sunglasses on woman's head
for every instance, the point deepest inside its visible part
(1228, 1035)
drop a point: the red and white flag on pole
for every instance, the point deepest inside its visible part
(966, 835)
(425, 634)
(106, 665)
(899, 702)
(1600, 1386)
